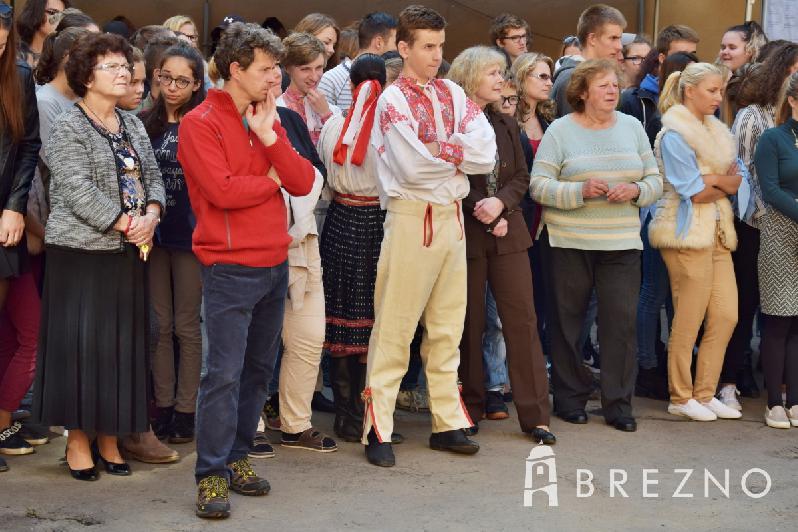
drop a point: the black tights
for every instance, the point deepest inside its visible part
(779, 353)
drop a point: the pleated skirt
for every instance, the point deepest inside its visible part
(92, 361)
(350, 249)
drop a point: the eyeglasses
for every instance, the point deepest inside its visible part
(635, 59)
(180, 83)
(515, 38)
(509, 100)
(190, 37)
(115, 68)
(542, 76)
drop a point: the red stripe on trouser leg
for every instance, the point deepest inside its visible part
(459, 221)
(428, 225)
(462, 404)
(366, 396)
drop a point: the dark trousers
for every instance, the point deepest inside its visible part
(244, 309)
(510, 280)
(572, 276)
(745, 271)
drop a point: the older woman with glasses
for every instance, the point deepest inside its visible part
(593, 170)
(107, 198)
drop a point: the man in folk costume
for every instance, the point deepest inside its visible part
(429, 135)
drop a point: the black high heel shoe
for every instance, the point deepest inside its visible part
(121, 470)
(89, 474)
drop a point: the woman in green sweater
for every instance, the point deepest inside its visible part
(593, 170)
(776, 162)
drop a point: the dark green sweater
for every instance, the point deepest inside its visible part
(776, 162)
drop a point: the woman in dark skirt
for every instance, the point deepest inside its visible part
(107, 197)
(350, 243)
(19, 147)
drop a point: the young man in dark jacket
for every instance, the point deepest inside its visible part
(236, 157)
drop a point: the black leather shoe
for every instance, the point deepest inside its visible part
(473, 429)
(397, 438)
(319, 403)
(543, 436)
(453, 440)
(120, 470)
(379, 454)
(89, 474)
(625, 424)
(577, 417)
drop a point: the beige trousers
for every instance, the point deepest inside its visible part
(303, 339)
(176, 297)
(704, 291)
(421, 277)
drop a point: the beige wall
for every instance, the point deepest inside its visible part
(551, 20)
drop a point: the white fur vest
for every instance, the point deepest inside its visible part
(715, 151)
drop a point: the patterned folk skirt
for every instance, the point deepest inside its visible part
(778, 265)
(350, 249)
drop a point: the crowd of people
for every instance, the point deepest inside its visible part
(344, 207)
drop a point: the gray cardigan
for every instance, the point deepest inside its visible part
(84, 187)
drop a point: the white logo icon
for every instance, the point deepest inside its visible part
(541, 471)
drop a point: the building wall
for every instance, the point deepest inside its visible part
(551, 20)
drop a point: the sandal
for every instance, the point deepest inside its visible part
(311, 440)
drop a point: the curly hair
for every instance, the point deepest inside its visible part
(54, 50)
(238, 44)
(583, 75)
(522, 67)
(83, 58)
(762, 86)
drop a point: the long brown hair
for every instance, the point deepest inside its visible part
(10, 85)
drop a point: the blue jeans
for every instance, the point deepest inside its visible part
(494, 351)
(654, 293)
(244, 309)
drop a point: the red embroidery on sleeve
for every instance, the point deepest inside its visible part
(390, 116)
(472, 111)
(451, 153)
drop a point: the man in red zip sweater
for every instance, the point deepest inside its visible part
(236, 157)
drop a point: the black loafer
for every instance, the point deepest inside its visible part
(543, 436)
(453, 440)
(624, 424)
(379, 454)
(577, 417)
(397, 438)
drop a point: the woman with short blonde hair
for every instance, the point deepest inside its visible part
(184, 27)
(496, 253)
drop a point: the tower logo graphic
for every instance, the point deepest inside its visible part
(541, 475)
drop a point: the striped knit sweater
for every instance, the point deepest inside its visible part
(568, 156)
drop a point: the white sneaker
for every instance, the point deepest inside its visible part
(692, 409)
(776, 417)
(728, 396)
(721, 410)
(792, 413)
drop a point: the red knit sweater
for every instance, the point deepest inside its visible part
(241, 217)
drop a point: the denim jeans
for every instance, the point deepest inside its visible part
(494, 351)
(244, 309)
(654, 292)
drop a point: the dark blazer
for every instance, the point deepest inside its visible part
(528, 206)
(18, 159)
(298, 136)
(512, 184)
(642, 105)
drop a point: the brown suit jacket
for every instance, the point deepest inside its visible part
(512, 182)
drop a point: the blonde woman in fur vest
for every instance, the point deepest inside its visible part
(694, 229)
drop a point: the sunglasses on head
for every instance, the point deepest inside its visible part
(6, 11)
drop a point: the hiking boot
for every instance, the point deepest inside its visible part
(244, 480)
(213, 498)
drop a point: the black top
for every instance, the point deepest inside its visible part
(299, 137)
(178, 222)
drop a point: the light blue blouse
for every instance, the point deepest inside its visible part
(681, 170)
